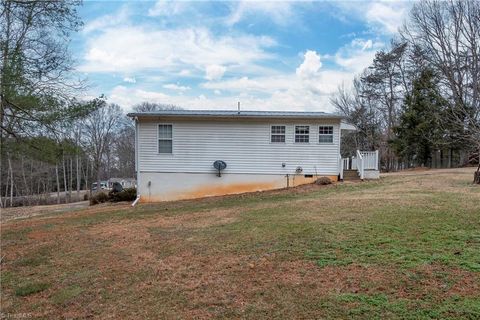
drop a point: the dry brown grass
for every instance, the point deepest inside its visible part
(403, 247)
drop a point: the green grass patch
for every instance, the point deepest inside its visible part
(66, 295)
(405, 237)
(38, 257)
(15, 234)
(31, 288)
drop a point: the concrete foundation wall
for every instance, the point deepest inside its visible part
(155, 186)
(371, 174)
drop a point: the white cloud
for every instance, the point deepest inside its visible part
(127, 97)
(280, 12)
(173, 86)
(389, 15)
(109, 20)
(383, 17)
(308, 88)
(311, 86)
(214, 72)
(292, 100)
(171, 51)
(130, 80)
(167, 8)
(184, 73)
(358, 54)
(310, 66)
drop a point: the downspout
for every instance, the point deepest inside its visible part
(136, 200)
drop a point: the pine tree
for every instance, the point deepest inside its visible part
(420, 131)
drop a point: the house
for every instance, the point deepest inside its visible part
(184, 154)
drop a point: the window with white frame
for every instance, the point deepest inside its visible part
(165, 138)
(277, 134)
(302, 134)
(325, 134)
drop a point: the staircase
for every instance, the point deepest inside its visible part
(351, 175)
(363, 165)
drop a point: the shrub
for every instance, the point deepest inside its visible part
(128, 194)
(99, 197)
(323, 181)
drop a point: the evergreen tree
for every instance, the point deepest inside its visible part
(420, 131)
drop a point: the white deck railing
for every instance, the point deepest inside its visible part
(340, 166)
(363, 160)
(360, 164)
(370, 159)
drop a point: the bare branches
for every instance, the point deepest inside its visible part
(441, 36)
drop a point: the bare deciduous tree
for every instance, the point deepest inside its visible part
(99, 130)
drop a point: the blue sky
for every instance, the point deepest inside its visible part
(209, 55)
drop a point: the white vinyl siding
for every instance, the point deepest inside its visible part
(245, 145)
(165, 138)
(325, 134)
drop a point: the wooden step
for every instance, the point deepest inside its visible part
(351, 179)
(350, 175)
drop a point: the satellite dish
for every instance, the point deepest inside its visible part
(219, 165)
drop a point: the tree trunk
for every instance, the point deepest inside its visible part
(65, 178)
(87, 187)
(4, 205)
(476, 176)
(58, 183)
(70, 186)
(28, 193)
(11, 180)
(78, 176)
(97, 165)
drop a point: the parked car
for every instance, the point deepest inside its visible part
(103, 185)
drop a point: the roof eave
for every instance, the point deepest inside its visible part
(236, 116)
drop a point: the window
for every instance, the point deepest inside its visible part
(302, 134)
(277, 134)
(164, 138)
(325, 134)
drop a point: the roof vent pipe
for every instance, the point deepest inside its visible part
(238, 107)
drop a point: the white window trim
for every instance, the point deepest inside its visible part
(158, 139)
(319, 135)
(309, 133)
(270, 133)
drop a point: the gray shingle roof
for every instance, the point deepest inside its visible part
(236, 114)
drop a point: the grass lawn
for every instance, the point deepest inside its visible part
(407, 246)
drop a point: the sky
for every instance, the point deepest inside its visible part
(211, 55)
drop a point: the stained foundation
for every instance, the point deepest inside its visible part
(156, 187)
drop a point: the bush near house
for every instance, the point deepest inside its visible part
(323, 181)
(99, 197)
(128, 194)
